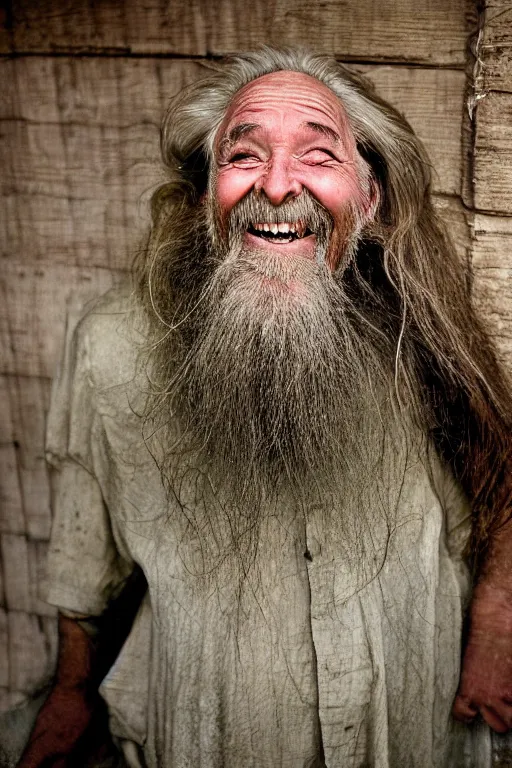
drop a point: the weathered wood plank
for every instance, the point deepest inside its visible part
(2, 592)
(4, 650)
(29, 400)
(128, 26)
(24, 572)
(37, 558)
(393, 30)
(14, 551)
(81, 149)
(494, 48)
(433, 103)
(11, 512)
(455, 218)
(33, 311)
(11, 507)
(493, 153)
(5, 34)
(492, 279)
(31, 651)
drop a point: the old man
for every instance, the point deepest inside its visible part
(290, 421)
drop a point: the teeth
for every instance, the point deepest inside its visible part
(285, 227)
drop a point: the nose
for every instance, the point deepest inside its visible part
(279, 182)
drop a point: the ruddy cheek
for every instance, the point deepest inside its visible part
(231, 187)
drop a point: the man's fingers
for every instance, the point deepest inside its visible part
(498, 717)
(494, 720)
(462, 710)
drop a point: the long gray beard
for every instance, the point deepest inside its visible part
(281, 395)
(279, 382)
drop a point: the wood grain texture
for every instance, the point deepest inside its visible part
(494, 48)
(4, 650)
(14, 551)
(455, 219)
(28, 401)
(433, 103)
(37, 557)
(11, 516)
(34, 307)
(81, 153)
(393, 30)
(32, 650)
(492, 279)
(81, 149)
(492, 167)
(24, 573)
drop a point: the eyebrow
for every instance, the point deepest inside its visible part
(244, 128)
(324, 130)
(239, 130)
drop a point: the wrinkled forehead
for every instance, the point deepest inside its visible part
(286, 95)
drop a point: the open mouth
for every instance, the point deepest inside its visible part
(279, 233)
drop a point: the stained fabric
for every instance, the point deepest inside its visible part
(342, 647)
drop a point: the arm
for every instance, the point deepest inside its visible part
(84, 659)
(70, 706)
(476, 441)
(486, 679)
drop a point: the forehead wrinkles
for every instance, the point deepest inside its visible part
(281, 92)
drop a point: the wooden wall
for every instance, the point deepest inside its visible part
(84, 87)
(489, 193)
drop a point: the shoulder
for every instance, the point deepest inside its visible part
(109, 336)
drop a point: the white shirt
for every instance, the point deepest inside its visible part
(346, 658)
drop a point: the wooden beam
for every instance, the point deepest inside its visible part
(33, 312)
(492, 279)
(455, 218)
(32, 650)
(4, 650)
(391, 30)
(28, 399)
(494, 48)
(493, 153)
(491, 106)
(432, 100)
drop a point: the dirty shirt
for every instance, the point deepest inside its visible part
(312, 664)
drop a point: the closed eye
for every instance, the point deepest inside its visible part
(318, 156)
(244, 160)
(241, 156)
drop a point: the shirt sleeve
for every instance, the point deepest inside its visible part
(85, 567)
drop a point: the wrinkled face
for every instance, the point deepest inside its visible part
(284, 133)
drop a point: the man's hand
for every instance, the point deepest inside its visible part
(74, 702)
(486, 679)
(62, 721)
(70, 707)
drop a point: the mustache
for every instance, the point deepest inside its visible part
(304, 210)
